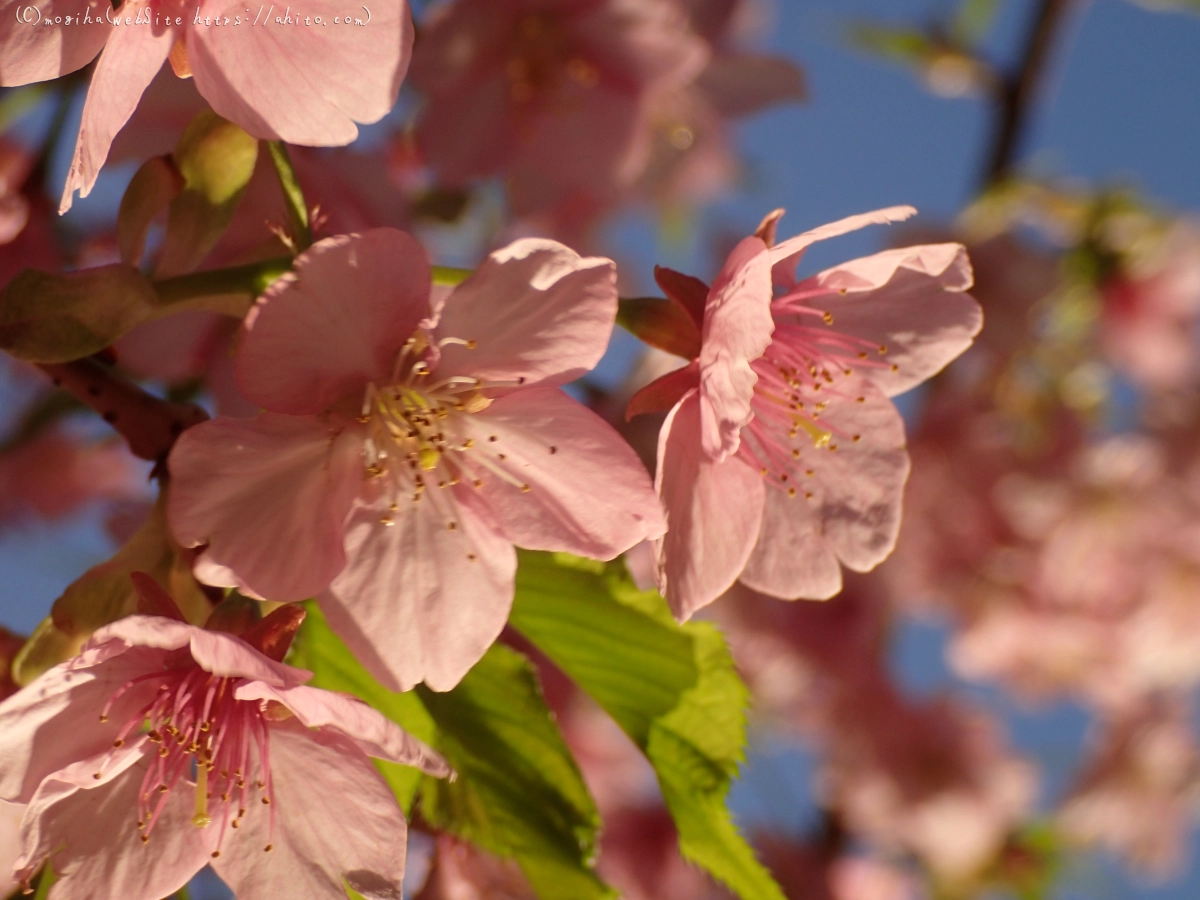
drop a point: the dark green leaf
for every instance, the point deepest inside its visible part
(672, 688)
(518, 794)
(334, 668)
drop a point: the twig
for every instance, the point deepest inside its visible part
(1016, 94)
(148, 424)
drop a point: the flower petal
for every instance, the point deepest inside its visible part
(849, 466)
(229, 656)
(588, 493)
(33, 52)
(791, 559)
(910, 301)
(303, 84)
(56, 719)
(89, 829)
(374, 733)
(417, 600)
(131, 58)
(536, 311)
(713, 514)
(337, 819)
(737, 329)
(334, 324)
(786, 256)
(269, 496)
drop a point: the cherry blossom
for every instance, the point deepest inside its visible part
(164, 747)
(930, 776)
(783, 458)
(556, 95)
(306, 84)
(10, 844)
(1148, 327)
(408, 442)
(1137, 795)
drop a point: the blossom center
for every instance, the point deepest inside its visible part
(541, 60)
(417, 431)
(202, 735)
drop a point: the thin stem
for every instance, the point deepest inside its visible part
(1016, 94)
(252, 278)
(150, 425)
(292, 195)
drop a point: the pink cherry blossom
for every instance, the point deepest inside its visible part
(408, 443)
(782, 458)
(284, 79)
(164, 747)
(1149, 324)
(1137, 796)
(556, 95)
(10, 845)
(930, 776)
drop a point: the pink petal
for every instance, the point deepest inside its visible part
(858, 474)
(417, 600)
(713, 514)
(910, 301)
(786, 256)
(269, 496)
(537, 312)
(336, 323)
(89, 828)
(56, 719)
(10, 845)
(374, 734)
(131, 58)
(791, 559)
(737, 329)
(588, 493)
(305, 84)
(638, 46)
(230, 657)
(40, 52)
(335, 819)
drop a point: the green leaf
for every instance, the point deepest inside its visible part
(672, 688)
(334, 668)
(519, 792)
(215, 159)
(59, 318)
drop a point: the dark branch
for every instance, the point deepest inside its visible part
(149, 424)
(1017, 93)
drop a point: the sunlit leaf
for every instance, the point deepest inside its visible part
(672, 688)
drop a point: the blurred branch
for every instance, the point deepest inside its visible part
(1016, 94)
(150, 425)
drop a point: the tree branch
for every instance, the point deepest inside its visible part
(150, 425)
(1016, 94)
